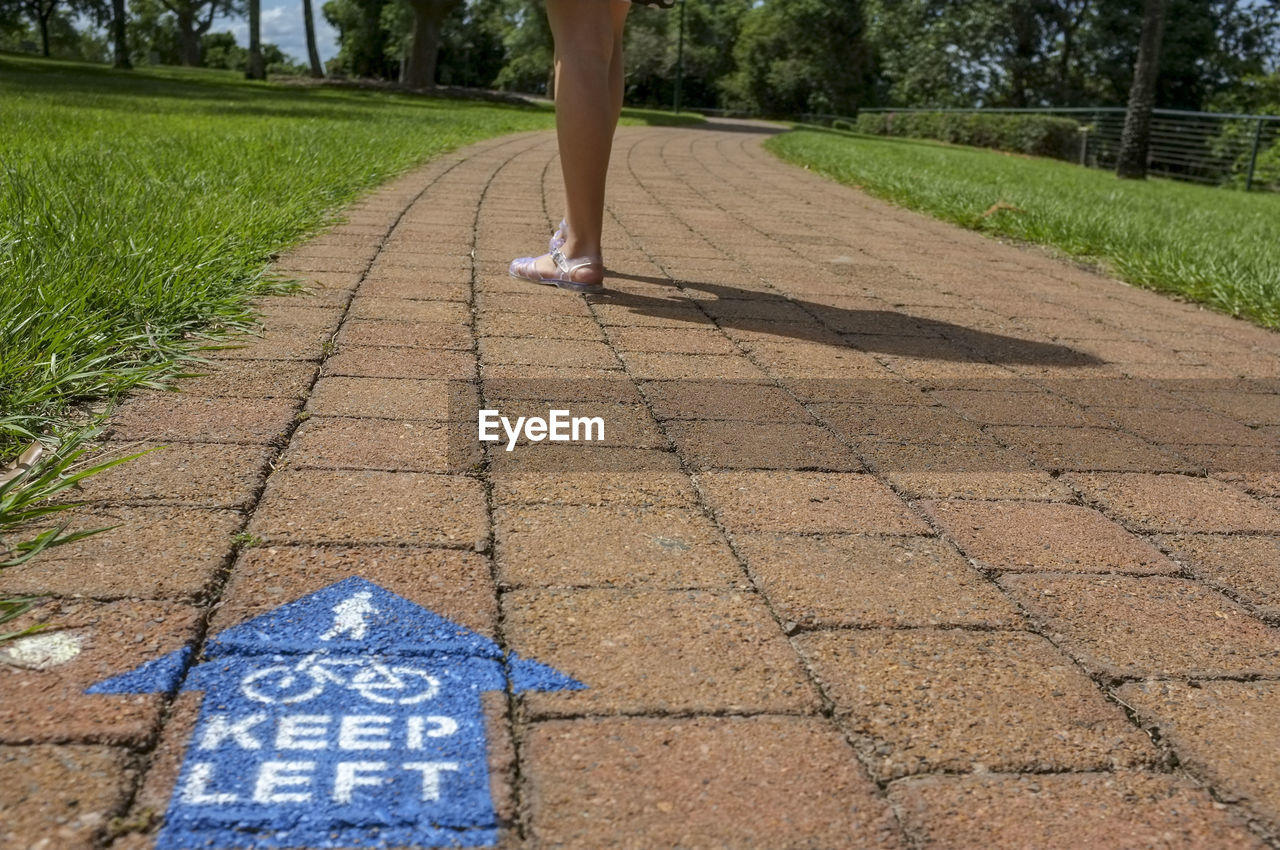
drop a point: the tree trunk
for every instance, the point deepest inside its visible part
(254, 69)
(428, 20)
(1136, 140)
(190, 40)
(313, 55)
(119, 36)
(43, 14)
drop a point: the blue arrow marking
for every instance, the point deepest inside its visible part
(348, 718)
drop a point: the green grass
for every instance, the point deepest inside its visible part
(1215, 246)
(138, 211)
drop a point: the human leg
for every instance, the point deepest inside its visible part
(588, 38)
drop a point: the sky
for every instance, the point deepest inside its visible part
(282, 25)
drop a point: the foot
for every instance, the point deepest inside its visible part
(582, 274)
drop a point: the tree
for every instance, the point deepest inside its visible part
(255, 70)
(796, 56)
(313, 55)
(194, 18)
(119, 37)
(1136, 139)
(41, 11)
(363, 42)
(428, 19)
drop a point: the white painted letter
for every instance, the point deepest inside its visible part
(348, 777)
(588, 423)
(283, 774)
(536, 429)
(195, 790)
(302, 732)
(357, 730)
(487, 426)
(221, 727)
(513, 434)
(431, 771)
(559, 426)
(445, 726)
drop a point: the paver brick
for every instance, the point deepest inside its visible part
(548, 383)
(650, 652)
(407, 310)
(195, 474)
(1227, 733)
(596, 487)
(1128, 809)
(456, 585)
(145, 552)
(174, 416)
(983, 470)
(1245, 566)
(371, 361)
(612, 546)
(43, 677)
(956, 700)
(433, 335)
(1013, 408)
(248, 379)
(908, 424)
(321, 506)
(288, 343)
(855, 580)
(686, 367)
(541, 327)
(760, 445)
(1183, 426)
(61, 797)
(670, 340)
(808, 502)
(392, 398)
(573, 353)
(1022, 536)
(387, 444)
(733, 400)
(563, 458)
(1118, 626)
(701, 782)
(1176, 503)
(1089, 450)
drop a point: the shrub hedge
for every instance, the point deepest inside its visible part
(1037, 135)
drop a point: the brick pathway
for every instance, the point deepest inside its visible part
(899, 537)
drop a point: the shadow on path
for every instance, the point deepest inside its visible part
(876, 331)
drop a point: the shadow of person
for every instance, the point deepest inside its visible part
(873, 331)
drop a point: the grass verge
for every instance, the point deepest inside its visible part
(1215, 246)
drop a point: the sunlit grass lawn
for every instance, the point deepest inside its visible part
(1216, 246)
(139, 208)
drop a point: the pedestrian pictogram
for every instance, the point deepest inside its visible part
(347, 718)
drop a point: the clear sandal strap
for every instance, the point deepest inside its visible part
(570, 266)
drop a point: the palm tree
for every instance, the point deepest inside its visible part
(254, 69)
(313, 55)
(1136, 140)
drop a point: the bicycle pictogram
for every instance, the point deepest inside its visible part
(375, 681)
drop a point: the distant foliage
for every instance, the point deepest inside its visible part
(1036, 135)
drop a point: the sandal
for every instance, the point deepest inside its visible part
(558, 238)
(526, 269)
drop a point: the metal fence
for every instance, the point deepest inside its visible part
(1204, 147)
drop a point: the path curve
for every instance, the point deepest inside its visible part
(898, 536)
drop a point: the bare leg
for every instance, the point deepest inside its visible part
(589, 74)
